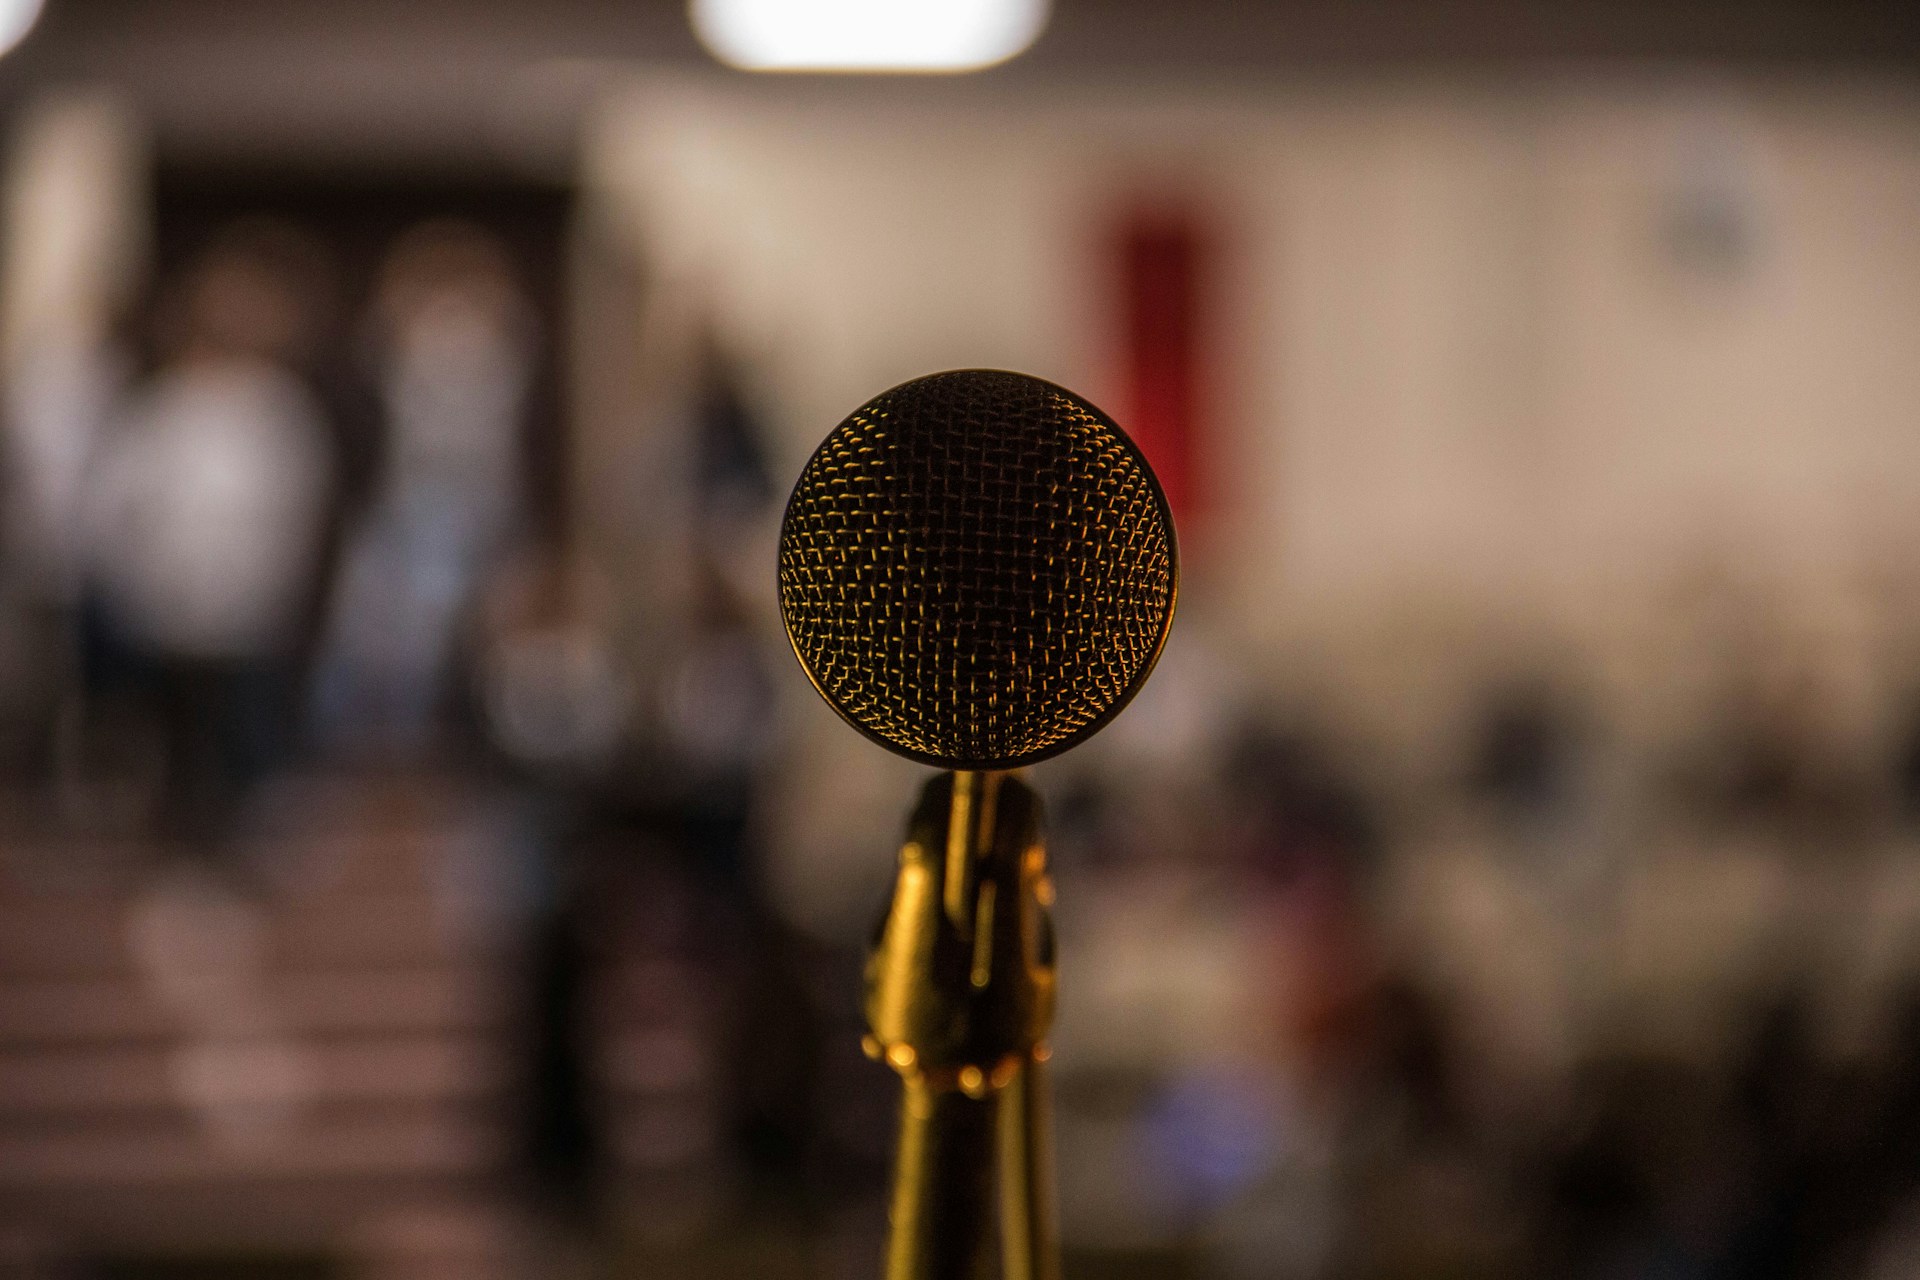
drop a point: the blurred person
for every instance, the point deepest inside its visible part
(718, 740)
(453, 345)
(733, 481)
(552, 703)
(649, 876)
(206, 507)
(71, 255)
(552, 694)
(73, 250)
(56, 402)
(718, 725)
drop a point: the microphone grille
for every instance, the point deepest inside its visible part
(977, 569)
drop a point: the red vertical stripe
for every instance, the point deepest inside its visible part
(1162, 266)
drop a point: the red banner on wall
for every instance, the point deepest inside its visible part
(1163, 261)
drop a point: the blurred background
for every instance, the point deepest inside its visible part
(420, 856)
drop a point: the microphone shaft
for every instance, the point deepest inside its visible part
(942, 1211)
(1029, 1231)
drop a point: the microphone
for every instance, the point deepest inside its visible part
(977, 570)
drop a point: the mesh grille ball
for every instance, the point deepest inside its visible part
(977, 569)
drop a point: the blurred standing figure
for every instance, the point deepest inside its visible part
(453, 345)
(72, 253)
(205, 508)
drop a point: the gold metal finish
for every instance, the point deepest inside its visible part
(959, 1003)
(1029, 1230)
(977, 570)
(942, 1207)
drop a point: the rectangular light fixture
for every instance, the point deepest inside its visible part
(867, 35)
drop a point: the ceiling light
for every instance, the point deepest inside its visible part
(866, 35)
(16, 19)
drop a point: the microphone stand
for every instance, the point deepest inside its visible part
(960, 996)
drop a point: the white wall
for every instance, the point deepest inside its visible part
(1471, 384)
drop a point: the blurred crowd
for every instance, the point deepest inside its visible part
(374, 887)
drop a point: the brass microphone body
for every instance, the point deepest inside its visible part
(978, 571)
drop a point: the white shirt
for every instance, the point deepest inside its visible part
(205, 508)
